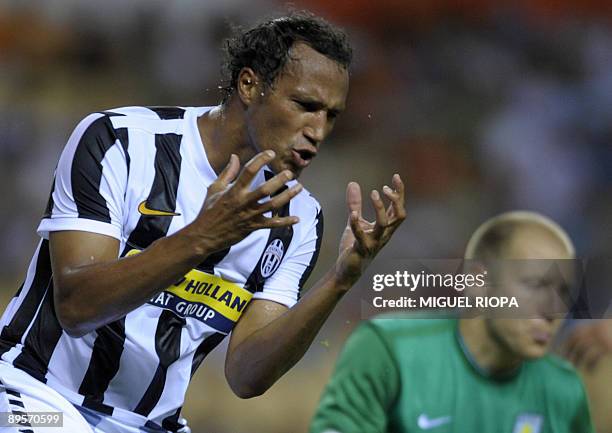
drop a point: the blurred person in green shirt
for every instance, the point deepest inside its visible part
(471, 375)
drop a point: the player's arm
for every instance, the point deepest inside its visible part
(93, 287)
(269, 338)
(363, 388)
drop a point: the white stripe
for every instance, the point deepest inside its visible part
(113, 183)
(140, 180)
(138, 361)
(65, 368)
(152, 126)
(135, 111)
(79, 224)
(186, 193)
(176, 385)
(16, 351)
(13, 353)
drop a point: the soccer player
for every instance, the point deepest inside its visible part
(484, 374)
(156, 244)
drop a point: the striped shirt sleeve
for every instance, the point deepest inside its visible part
(286, 284)
(90, 181)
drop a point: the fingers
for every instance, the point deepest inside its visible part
(586, 346)
(381, 216)
(280, 200)
(353, 198)
(252, 167)
(577, 347)
(228, 174)
(356, 228)
(230, 171)
(586, 356)
(275, 222)
(271, 186)
(398, 185)
(396, 196)
(591, 357)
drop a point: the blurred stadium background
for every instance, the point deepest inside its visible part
(482, 107)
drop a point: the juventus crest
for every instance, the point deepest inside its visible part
(272, 258)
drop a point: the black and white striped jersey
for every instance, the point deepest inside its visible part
(138, 174)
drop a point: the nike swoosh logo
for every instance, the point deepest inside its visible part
(143, 209)
(427, 423)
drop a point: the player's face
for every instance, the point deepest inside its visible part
(298, 112)
(524, 338)
(540, 286)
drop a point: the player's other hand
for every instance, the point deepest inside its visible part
(231, 211)
(363, 239)
(589, 343)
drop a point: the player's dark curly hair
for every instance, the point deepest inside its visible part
(265, 48)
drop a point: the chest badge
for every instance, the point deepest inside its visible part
(272, 258)
(528, 423)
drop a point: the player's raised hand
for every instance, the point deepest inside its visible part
(363, 239)
(232, 211)
(588, 343)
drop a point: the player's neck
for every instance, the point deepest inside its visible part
(485, 351)
(223, 133)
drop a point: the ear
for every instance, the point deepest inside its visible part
(247, 86)
(478, 269)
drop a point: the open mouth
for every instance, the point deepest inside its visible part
(302, 157)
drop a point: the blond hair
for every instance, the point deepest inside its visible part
(493, 234)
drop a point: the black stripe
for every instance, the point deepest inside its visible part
(315, 255)
(12, 333)
(163, 192)
(204, 349)
(152, 425)
(16, 403)
(148, 229)
(49, 208)
(168, 347)
(41, 340)
(19, 290)
(99, 407)
(94, 387)
(122, 135)
(104, 362)
(213, 260)
(12, 392)
(87, 169)
(23, 422)
(208, 265)
(255, 282)
(171, 423)
(168, 112)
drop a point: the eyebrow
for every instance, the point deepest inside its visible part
(316, 104)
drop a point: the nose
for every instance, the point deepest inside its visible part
(552, 303)
(317, 128)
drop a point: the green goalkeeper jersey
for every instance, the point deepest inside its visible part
(415, 375)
